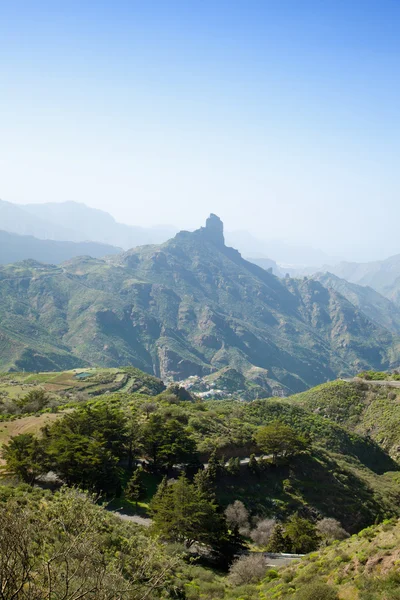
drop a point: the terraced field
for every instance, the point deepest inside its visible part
(93, 381)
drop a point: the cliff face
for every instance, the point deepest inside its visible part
(190, 306)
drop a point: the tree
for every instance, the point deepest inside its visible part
(34, 401)
(280, 440)
(262, 533)
(215, 466)
(167, 442)
(106, 424)
(182, 513)
(277, 542)
(331, 530)
(24, 457)
(253, 465)
(83, 461)
(205, 484)
(135, 489)
(247, 569)
(233, 466)
(301, 534)
(237, 515)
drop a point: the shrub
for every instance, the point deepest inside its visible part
(331, 530)
(263, 531)
(237, 515)
(249, 568)
(316, 591)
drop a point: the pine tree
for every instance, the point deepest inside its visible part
(135, 489)
(233, 466)
(277, 542)
(213, 467)
(301, 534)
(183, 513)
(253, 465)
(205, 484)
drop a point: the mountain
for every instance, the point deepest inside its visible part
(97, 225)
(76, 222)
(383, 276)
(190, 306)
(15, 248)
(376, 307)
(15, 219)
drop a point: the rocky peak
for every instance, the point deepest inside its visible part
(215, 229)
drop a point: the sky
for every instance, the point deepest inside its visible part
(281, 116)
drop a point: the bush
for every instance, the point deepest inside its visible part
(249, 568)
(316, 591)
(263, 531)
(237, 515)
(331, 530)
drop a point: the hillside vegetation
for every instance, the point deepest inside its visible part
(369, 408)
(343, 475)
(191, 306)
(364, 567)
(221, 480)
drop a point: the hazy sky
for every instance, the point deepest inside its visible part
(282, 116)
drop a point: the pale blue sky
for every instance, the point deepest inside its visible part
(282, 116)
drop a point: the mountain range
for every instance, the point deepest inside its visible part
(77, 222)
(15, 247)
(190, 306)
(382, 275)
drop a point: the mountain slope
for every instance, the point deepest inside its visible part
(76, 222)
(188, 307)
(93, 224)
(383, 276)
(16, 248)
(375, 306)
(363, 567)
(367, 408)
(15, 219)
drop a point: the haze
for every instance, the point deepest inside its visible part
(280, 116)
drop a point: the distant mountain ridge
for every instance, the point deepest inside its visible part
(383, 275)
(15, 248)
(190, 306)
(76, 222)
(377, 307)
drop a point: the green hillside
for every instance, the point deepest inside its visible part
(191, 306)
(98, 422)
(364, 567)
(368, 408)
